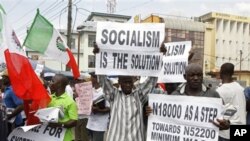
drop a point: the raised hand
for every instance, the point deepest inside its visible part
(96, 48)
(163, 49)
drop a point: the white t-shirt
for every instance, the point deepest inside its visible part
(233, 94)
(98, 121)
(69, 91)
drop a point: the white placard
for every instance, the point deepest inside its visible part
(175, 62)
(51, 114)
(114, 62)
(84, 99)
(130, 36)
(37, 133)
(183, 118)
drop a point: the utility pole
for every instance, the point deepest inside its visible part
(111, 6)
(240, 64)
(69, 27)
(69, 24)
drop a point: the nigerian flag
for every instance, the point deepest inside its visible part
(44, 38)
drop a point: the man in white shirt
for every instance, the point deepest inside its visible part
(98, 120)
(233, 95)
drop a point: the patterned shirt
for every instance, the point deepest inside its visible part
(126, 123)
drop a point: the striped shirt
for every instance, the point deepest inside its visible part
(126, 123)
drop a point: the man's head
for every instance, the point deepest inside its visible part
(59, 83)
(93, 78)
(5, 78)
(227, 69)
(193, 75)
(126, 83)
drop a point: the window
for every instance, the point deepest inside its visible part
(225, 25)
(218, 25)
(244, 28)
(91, 40)
(249, 29)
(91, 61)
(233, 26)
(73, 43)
(34, 57)
(238, 27)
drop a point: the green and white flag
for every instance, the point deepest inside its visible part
(44, 38)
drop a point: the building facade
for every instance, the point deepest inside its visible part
(230, 43)
(186, 29)
(88, 35)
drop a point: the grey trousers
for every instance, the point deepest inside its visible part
(97, 135)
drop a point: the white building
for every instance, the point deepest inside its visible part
(232, 34)
(88, 35)
(230, 43)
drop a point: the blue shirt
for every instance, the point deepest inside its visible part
(12, 101)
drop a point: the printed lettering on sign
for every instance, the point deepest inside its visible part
(129, 49)
(175, 62)
(37, 133)
(173, 118)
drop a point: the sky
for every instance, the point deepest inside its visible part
(22, 12)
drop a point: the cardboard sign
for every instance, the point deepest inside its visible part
(129, 49)
(37, 133)
(130, 36)
(175, 62)
(183, 118)
(133, 63)
(84, 99)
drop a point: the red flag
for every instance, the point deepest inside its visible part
(72, 64)
(24, 81)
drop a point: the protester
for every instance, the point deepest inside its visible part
(233, 95)
(98, 120)
(194, 83)
(61, 99)
(12, 102)
(126, 123)
(194, 87)
(3, 116)
(81, 132)
(171, 87)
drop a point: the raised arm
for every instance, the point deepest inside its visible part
(105, 83)
(150, 83)
(146, 87)
(108, 88)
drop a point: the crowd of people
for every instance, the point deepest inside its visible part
(122, 115)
